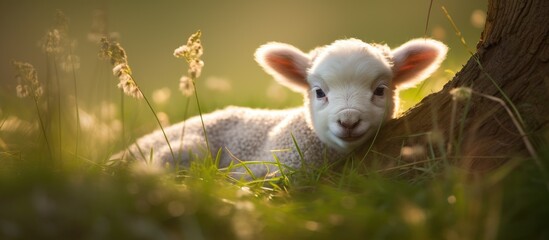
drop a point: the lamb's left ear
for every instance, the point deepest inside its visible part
(416, 60)
(287, 64)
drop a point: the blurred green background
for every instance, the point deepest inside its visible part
(232, 30)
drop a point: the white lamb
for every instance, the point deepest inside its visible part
(350, 88)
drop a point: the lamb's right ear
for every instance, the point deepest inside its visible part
(287, 64)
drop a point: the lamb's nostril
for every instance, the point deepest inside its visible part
(348, 124)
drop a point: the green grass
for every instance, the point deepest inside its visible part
(78, 194)
(99, 202)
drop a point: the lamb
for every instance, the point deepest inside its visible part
(350, 87)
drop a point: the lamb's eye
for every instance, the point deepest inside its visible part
(380, 91)
(320, 93)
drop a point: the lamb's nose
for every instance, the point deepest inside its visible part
(348, 124)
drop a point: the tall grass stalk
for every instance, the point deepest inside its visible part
(428, 17)
(42, 126)
(301, 158)
(462, 124)
(182, 136)
(191, 52)
(477, 60)
(122, 120)
(59, 94)
(241, 163)
(457, 31)
(521, 131)
(156, 118)
(280, 168)
(451, 129)
(454, 145)
(201, 119)
(436, 136)
(75, 105)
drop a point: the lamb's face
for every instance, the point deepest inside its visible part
(351, 86)
(350, 93)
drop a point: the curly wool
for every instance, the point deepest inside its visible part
(241, 133)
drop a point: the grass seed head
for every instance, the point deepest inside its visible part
(191, 52)
(104, 53)
(51, 43)
(118, 58)
(27, 80)
(461, 93)
(186, 86)
(128, 85)
(195, 68)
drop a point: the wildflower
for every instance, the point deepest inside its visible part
(186, 85)
(27, 80)
(461, 93)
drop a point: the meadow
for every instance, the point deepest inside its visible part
(62, 118)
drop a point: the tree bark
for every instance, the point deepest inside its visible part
(513, 55)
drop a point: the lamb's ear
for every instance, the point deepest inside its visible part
(416, 60)
(287, 64)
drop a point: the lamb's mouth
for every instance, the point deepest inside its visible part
(350, 138)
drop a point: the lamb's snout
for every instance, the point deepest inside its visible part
(348, 125)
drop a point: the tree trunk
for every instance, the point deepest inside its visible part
(513, 55)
